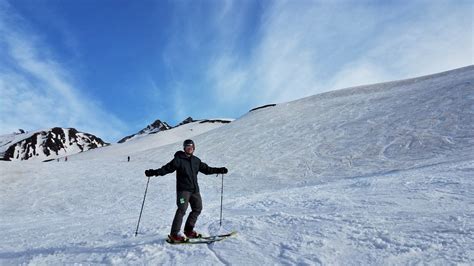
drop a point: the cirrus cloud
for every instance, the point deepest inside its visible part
(38, 91)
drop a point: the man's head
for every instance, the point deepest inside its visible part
(188, 146)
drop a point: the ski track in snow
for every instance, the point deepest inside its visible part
(369, 176)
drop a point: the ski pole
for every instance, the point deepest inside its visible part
(143, 203)
(222, 195)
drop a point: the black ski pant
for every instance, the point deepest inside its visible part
(183, 199)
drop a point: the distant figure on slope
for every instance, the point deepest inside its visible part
(128, 158)
(187, 167)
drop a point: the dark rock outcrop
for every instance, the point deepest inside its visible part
(51, 143)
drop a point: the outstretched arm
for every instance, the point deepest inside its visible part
(206, 169)
(165, 169)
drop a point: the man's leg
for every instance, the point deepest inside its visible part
(196, 208)
(182, 200)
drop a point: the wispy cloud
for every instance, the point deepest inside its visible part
(305, 47)
(440, 38)
(215, 58)
(37, 91)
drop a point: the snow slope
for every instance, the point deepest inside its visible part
(142, 143)
(372, 175)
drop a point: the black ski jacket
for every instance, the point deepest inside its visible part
(186, 169)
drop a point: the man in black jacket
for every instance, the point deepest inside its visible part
(187, 167)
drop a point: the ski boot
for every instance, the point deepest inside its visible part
(192, 234)
(177, 239)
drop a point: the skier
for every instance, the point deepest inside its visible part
(187, 167)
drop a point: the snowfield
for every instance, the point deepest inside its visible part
(372, 175)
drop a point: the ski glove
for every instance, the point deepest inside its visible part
(150, 172)
(222, 170)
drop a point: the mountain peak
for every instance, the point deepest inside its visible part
(47, 144)
(153, 128)
(186, 121)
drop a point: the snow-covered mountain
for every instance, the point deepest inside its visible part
(146, 142)
(186, 121)
(153, 128)
(159, 126)
(372, 175)
(46, 144)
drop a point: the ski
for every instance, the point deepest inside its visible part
(195, 241)
(219, 236)
(203, 239)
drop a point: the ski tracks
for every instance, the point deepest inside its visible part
(216, 254)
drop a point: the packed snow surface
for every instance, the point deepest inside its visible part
(373, 175)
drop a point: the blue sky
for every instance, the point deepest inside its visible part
(112, 67)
